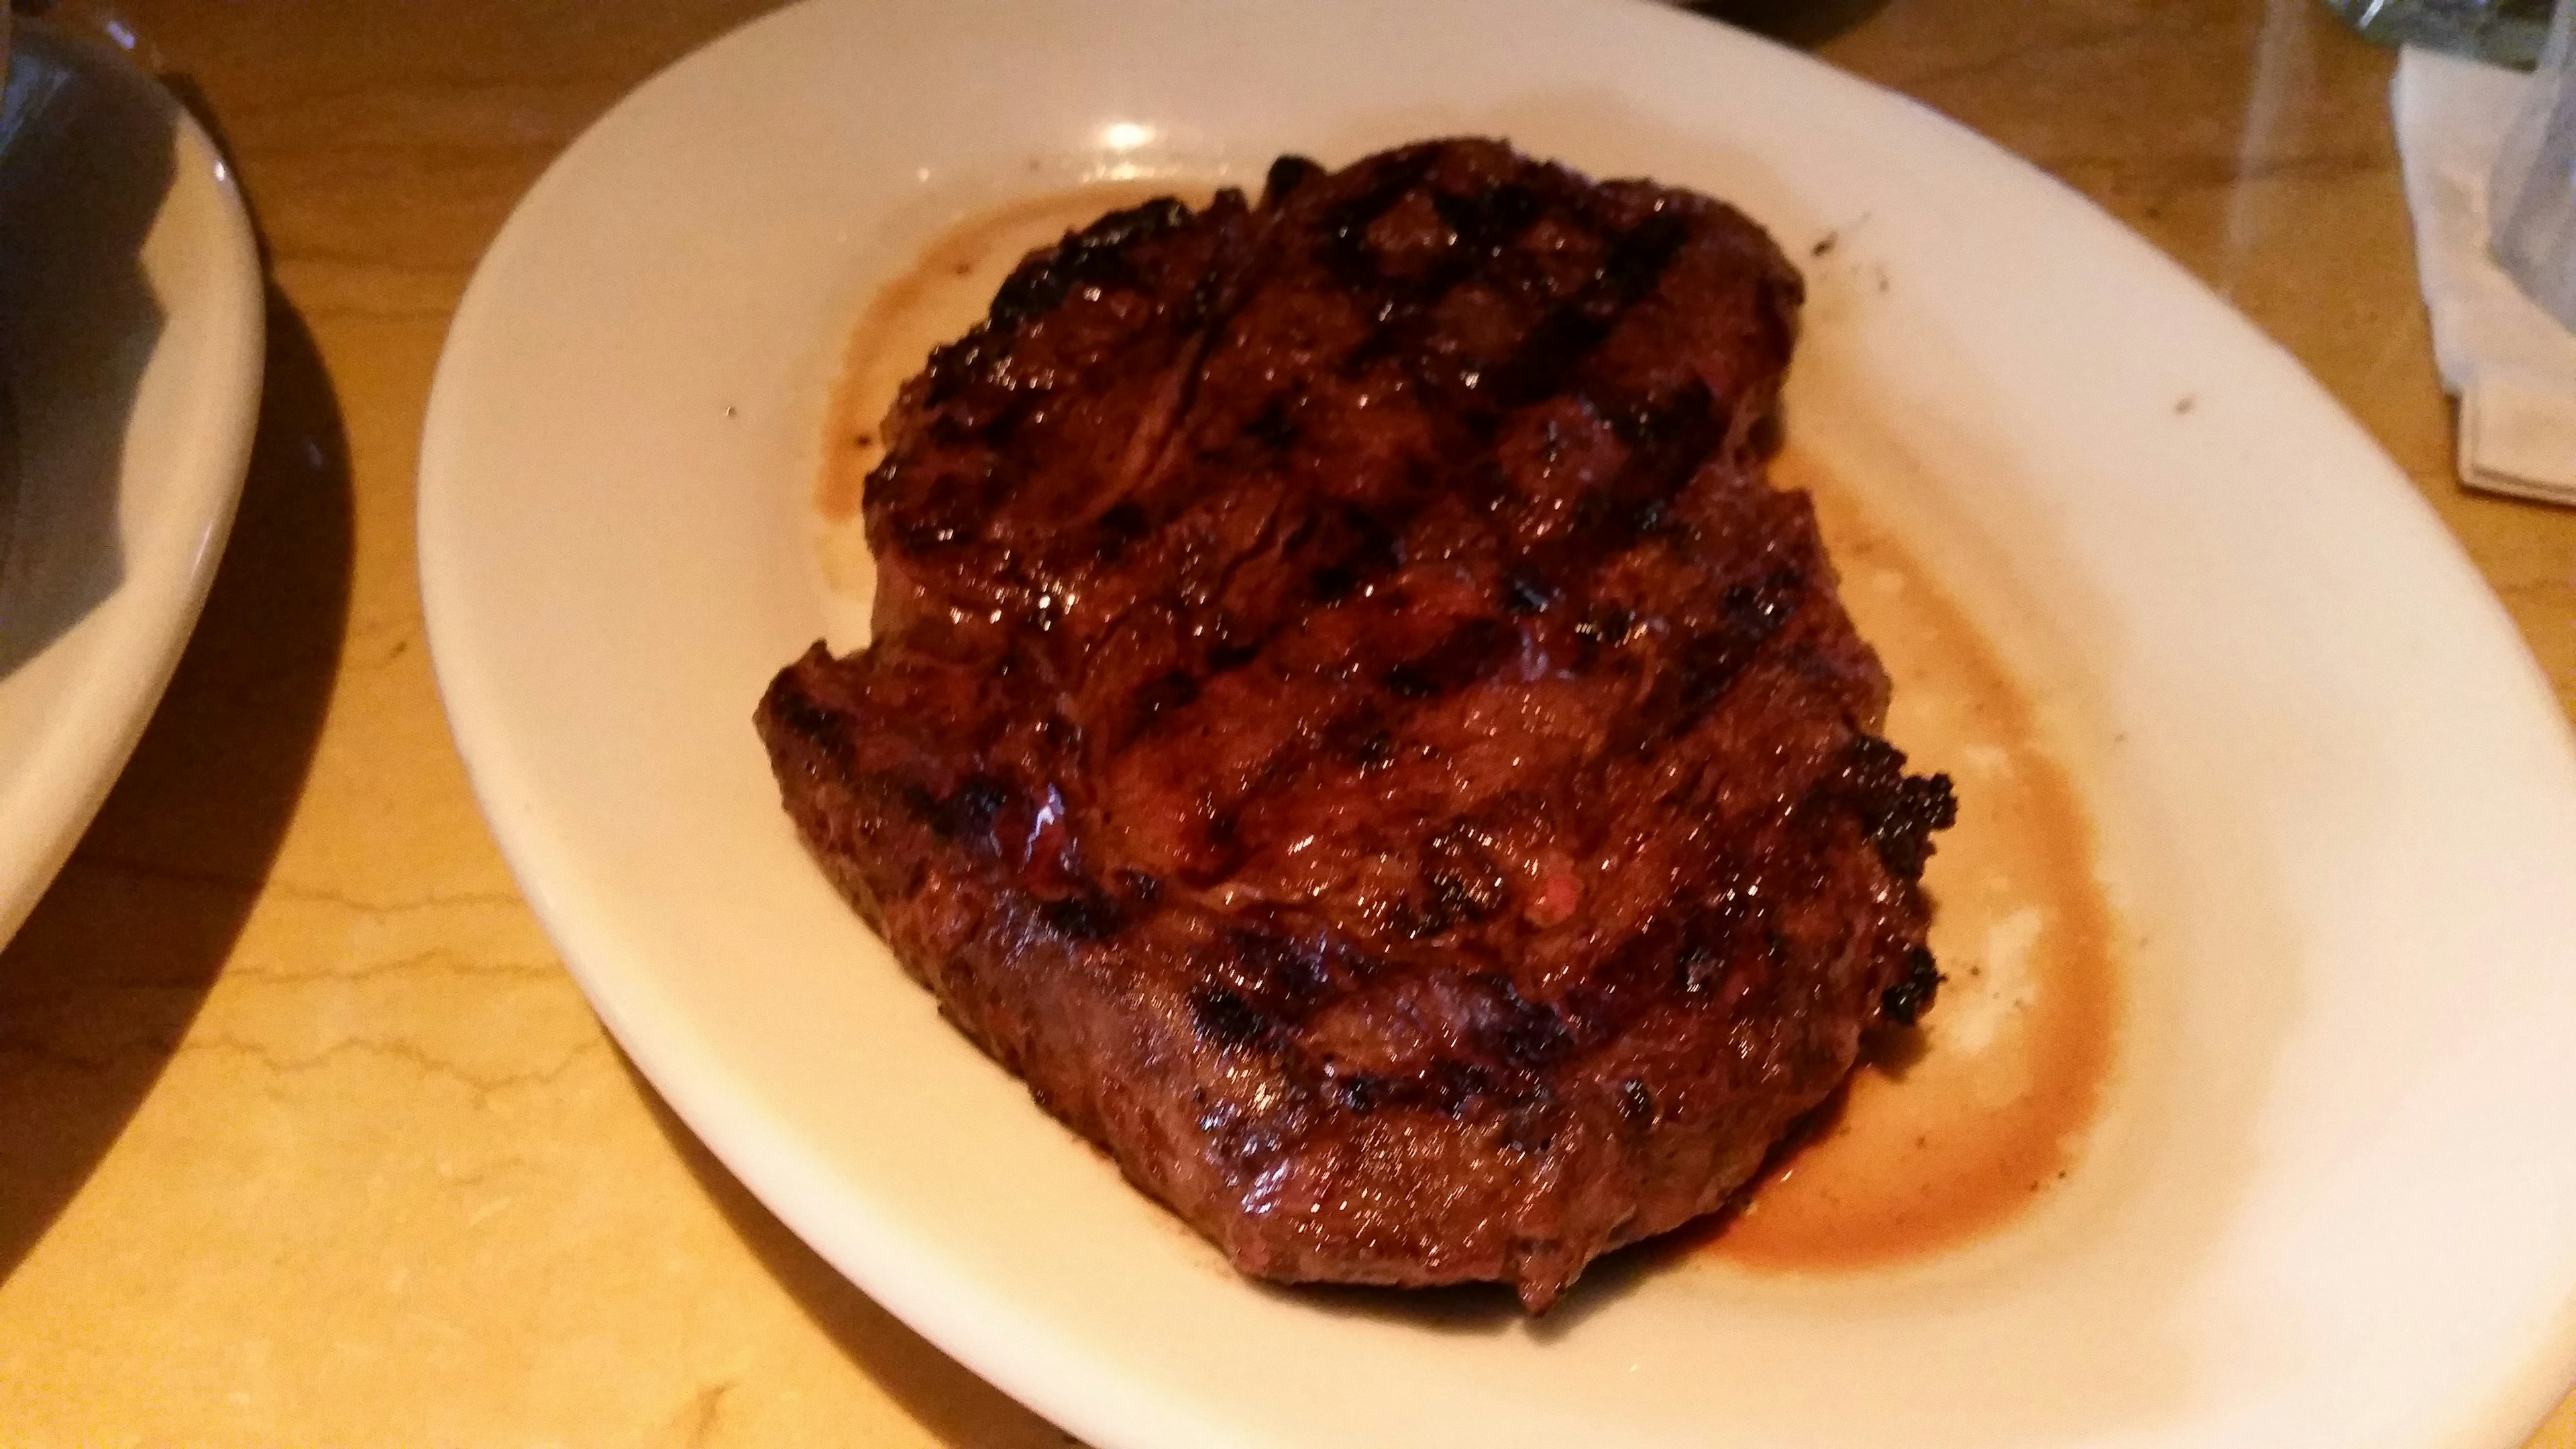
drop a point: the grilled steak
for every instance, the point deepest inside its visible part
(1350, 724)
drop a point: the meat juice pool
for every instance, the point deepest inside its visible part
(1941, 1137)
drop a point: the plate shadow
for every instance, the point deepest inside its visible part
(1802, 23)
(101, 982)
(941, 1394)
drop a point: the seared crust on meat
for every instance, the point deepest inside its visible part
(1350, 724)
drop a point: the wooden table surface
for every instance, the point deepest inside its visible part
(306, 1137)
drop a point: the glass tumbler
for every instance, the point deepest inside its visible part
(2531, 198)
(2506, 32)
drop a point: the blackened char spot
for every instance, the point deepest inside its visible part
(1636, 1102)
(936, 521)
(1636, 973)
(1229, 651)
(1120, 526)
(1085, 916)
(1161, 695)
(1488, 221)
(1552, 351)
(789, 708)
(1419, 920)
(1447, 1086)
(1286, 175)
(1763, 606)
(966, 812)
(1669, 440)
(1469, 651)
(1639, 255)
(1923, 804)
(1200, 309)
(1226, 1018)
(1765, 438)
(1287, 973)
(1900, 811)
(1216, 845)
(1519, 1031)
(1095, 256)
(977, 800)
(1461, 877)
(1707, 664)
(1346, 223)
(1275, 426)
(1696, 968)
(925, 807)
(1525, 593)
(1906, 1001)
(1346, 546)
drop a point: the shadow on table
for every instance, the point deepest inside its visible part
(101, 982)
(1803, 23)
(940, 1394)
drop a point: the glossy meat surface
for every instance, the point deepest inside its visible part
(1349, 723)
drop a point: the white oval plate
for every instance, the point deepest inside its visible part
(131, 326)
(2333, 1195)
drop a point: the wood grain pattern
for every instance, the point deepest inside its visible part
(305, 1136)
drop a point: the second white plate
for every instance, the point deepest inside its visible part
(131, 327)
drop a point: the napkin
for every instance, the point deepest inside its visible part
(2512, 366)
